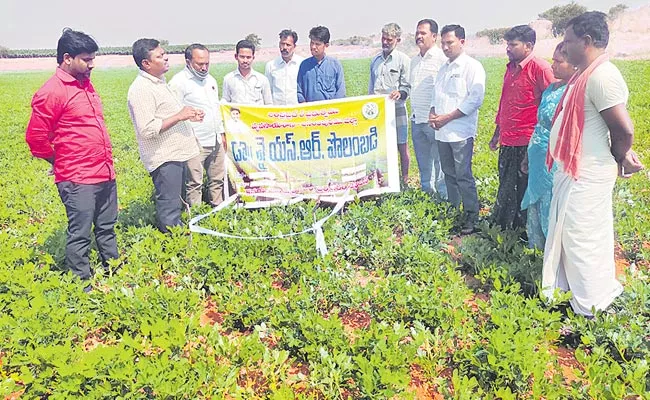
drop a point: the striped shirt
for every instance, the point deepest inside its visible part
(423, 77)
(151, 101)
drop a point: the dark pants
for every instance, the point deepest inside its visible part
(512, 186)
(456, 163)
(86, 205)
(168, 182)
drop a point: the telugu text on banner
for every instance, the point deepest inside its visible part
(313, 150)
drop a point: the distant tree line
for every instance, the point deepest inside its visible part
(559, 17)
(124, 50)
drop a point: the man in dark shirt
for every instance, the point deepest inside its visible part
(320, 77)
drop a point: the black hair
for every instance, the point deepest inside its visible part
(288, 32)
(320, 33)
(142, 49)
(594, 24)
(192, 47)
(244, 44)
(74, 43)
(522, 33)
(458, 30)
(433, 25)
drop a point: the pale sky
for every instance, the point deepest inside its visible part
(38, 23)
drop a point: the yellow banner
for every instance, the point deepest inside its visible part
(317, 150)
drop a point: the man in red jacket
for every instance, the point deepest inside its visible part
(67, 129)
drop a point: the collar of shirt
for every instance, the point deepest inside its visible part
(295, 59)
(324, 60)
(151, 77)
(523, 62)
(380, 56)
(67, 78)
(252, 74)
(429, 53)
(459, 61)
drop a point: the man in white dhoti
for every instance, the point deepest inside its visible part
(591, 141)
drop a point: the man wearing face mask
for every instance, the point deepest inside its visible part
(195, 87)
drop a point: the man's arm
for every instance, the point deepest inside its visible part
(266, 91)
(226, 92)
(404, 86)
(621, 131)
(267, 72)
(300, 83)
(340, 81)
(475, 80)
(494, 142)
(371, 82)
(45, 112)
(143, 108)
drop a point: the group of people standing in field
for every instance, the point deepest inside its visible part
(562, 131)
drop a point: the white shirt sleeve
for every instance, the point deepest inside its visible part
(226, 92)
(476, 89)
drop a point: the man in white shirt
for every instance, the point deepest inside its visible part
(459, 92)
(245, 85)
(389, 73)
(197, 88)
(424, 68)
(282, 72)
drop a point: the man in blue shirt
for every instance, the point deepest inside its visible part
(320, 77)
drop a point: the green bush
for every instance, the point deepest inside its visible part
(561, 15)
(495, 35)
(616, 11)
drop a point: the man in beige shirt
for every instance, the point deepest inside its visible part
(165, 137)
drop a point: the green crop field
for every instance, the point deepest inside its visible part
(400, 308)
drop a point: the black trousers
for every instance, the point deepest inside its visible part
(87, 205)
(512, 186)
(168, 181)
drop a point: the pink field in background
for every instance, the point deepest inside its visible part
(628, 40)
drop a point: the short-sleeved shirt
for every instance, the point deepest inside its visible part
(523, 85)
(606, 88)
(388, 74)
(252, 89)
